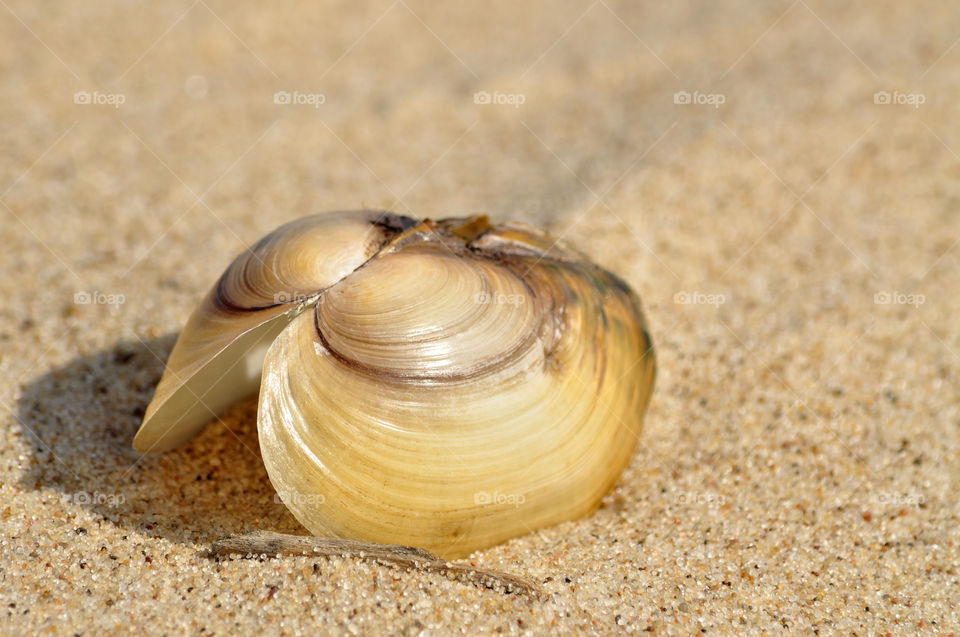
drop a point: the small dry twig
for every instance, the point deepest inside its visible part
(269, 543)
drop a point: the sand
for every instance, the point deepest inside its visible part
(792, 231)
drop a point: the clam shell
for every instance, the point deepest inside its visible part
(447, 384)
(218, 357)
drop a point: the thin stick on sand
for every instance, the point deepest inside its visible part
(268, 543)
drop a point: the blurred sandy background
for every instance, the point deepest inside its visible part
(792, 231)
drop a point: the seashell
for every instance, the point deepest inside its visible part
(443, 384)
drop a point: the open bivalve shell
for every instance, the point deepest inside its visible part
(446, 385)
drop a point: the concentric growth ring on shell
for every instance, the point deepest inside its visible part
(424, 312)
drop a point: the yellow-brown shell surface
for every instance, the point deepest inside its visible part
(446, 384)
